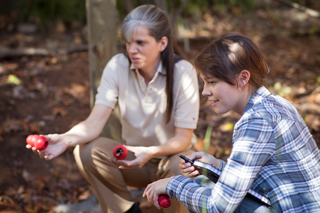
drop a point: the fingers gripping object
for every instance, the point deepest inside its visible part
(164, 201)
(39, 142)
(120, 152)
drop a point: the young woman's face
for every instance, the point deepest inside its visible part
(223, 96)
(144, 51)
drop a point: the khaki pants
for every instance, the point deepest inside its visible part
(94, 160)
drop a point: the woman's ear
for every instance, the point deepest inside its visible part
(243, 78)
(163, 43)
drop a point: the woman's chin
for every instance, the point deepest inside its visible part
(220, 111)
(137, 65)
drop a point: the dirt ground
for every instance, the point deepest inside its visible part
(53, 95)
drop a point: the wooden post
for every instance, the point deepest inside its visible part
(101, 19)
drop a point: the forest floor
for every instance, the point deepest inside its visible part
(50, 94)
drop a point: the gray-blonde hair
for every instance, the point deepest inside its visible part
(159, 26)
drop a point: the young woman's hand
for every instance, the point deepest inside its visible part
(154, 189)
(203, 157)
(189, 171)
(57, 145)
(143, 154)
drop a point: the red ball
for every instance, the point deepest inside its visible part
(164, 201)
(120, 152)
(39, 142)
(31, 140)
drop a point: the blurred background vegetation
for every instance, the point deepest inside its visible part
(46, 90)
(48, 12)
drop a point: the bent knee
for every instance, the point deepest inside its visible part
(100, 149)
(169, 166)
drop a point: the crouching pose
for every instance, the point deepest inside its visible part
(158, 98)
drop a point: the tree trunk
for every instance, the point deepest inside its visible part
(101, 18)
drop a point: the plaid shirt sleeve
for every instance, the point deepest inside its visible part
(253, 145)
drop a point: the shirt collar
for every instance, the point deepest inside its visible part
(257, 97)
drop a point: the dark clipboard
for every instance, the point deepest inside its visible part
(213, 174)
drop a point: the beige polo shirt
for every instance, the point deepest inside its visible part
(142, 107)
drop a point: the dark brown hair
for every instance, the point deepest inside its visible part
(156, 20)
(226, 56)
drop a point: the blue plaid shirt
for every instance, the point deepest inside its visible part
(273, 153)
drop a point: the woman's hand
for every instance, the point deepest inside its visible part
(57, 145)
(203, 157)
(190, 171)
(143, 155)
(187, 169)
(154, 189)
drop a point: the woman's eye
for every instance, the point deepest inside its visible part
(212, 82)
(141, 42)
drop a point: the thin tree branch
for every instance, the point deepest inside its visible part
(179, 10)
(309, 11)
(10, 53)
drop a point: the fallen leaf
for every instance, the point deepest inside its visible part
(6, 199)
(13, 79)
(38, 183)
(20, 190)
(84, 195)
(27, 176)
(59, 111)
(11, 125)
(10, 191)
(228, 127)
(67, 102)
(34, 127)
(2, 69)
(31, 209)
(11, 66)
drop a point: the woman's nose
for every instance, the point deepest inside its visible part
(206, 91)
(131, 48)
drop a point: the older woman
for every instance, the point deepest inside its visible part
(158, 98)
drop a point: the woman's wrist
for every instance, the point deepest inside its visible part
(68, 140)
(153, 150)
(216, 163)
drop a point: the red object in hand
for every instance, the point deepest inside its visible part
(120, 152)
(39, 142)
(31, 140)
(164, 201)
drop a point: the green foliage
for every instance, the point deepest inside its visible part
(13, 79)
(314, 30)
(207, 139)
(299, 1)
(204, 171)
(69, 10)
(245, 5)
(281, 90)
(121, 10)
(52, 10)
(196, 7)
(228, 127)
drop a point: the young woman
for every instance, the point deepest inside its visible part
(158, 99)
(273, 151)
